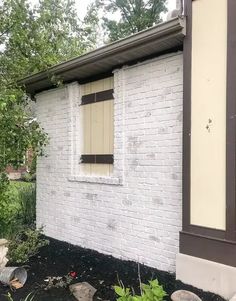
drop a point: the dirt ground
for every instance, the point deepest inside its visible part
(101, 271)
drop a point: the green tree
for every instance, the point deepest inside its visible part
(91, 24)
(32, 38)
(136, 15)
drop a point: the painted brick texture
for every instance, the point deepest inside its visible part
(136, 214)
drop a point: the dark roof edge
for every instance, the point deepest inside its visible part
(160, 31)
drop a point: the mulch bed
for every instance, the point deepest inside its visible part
(101, 271)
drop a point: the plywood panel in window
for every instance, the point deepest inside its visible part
(97, 86)
(86, 129)
(100, 169)
(108, 137)
(97, 127)
(86, 169)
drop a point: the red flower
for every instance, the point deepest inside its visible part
(73, 274)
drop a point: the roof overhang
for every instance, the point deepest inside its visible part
(153, 41)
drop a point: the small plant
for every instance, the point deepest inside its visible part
(27, 201)
(28, 177)
(149, 292)
(60, 282)
(9, 297)
(29, 297)
(25, 244)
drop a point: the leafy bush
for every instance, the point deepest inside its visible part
(17, 207)
(17, 221)
(9, 211)
(149, 292)
(26, 244)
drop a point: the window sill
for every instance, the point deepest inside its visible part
(96, 179)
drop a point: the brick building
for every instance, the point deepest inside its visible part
(141, 161)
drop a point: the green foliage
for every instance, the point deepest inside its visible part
(17, 133)
(17, 207)
(91, 24)
(26, 244)
(136, 15)
(9, 297)
(29, 297)
(38, 37)
(9, 208)
(32, 38)
(153, 291)
(28, 177)
(27, 202)
(17, 218)
(149, 292)
(33, 165)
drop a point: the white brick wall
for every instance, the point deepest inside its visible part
(138, 217)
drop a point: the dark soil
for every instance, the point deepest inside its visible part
(101, 271)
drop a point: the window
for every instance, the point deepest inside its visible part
(97, 124)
